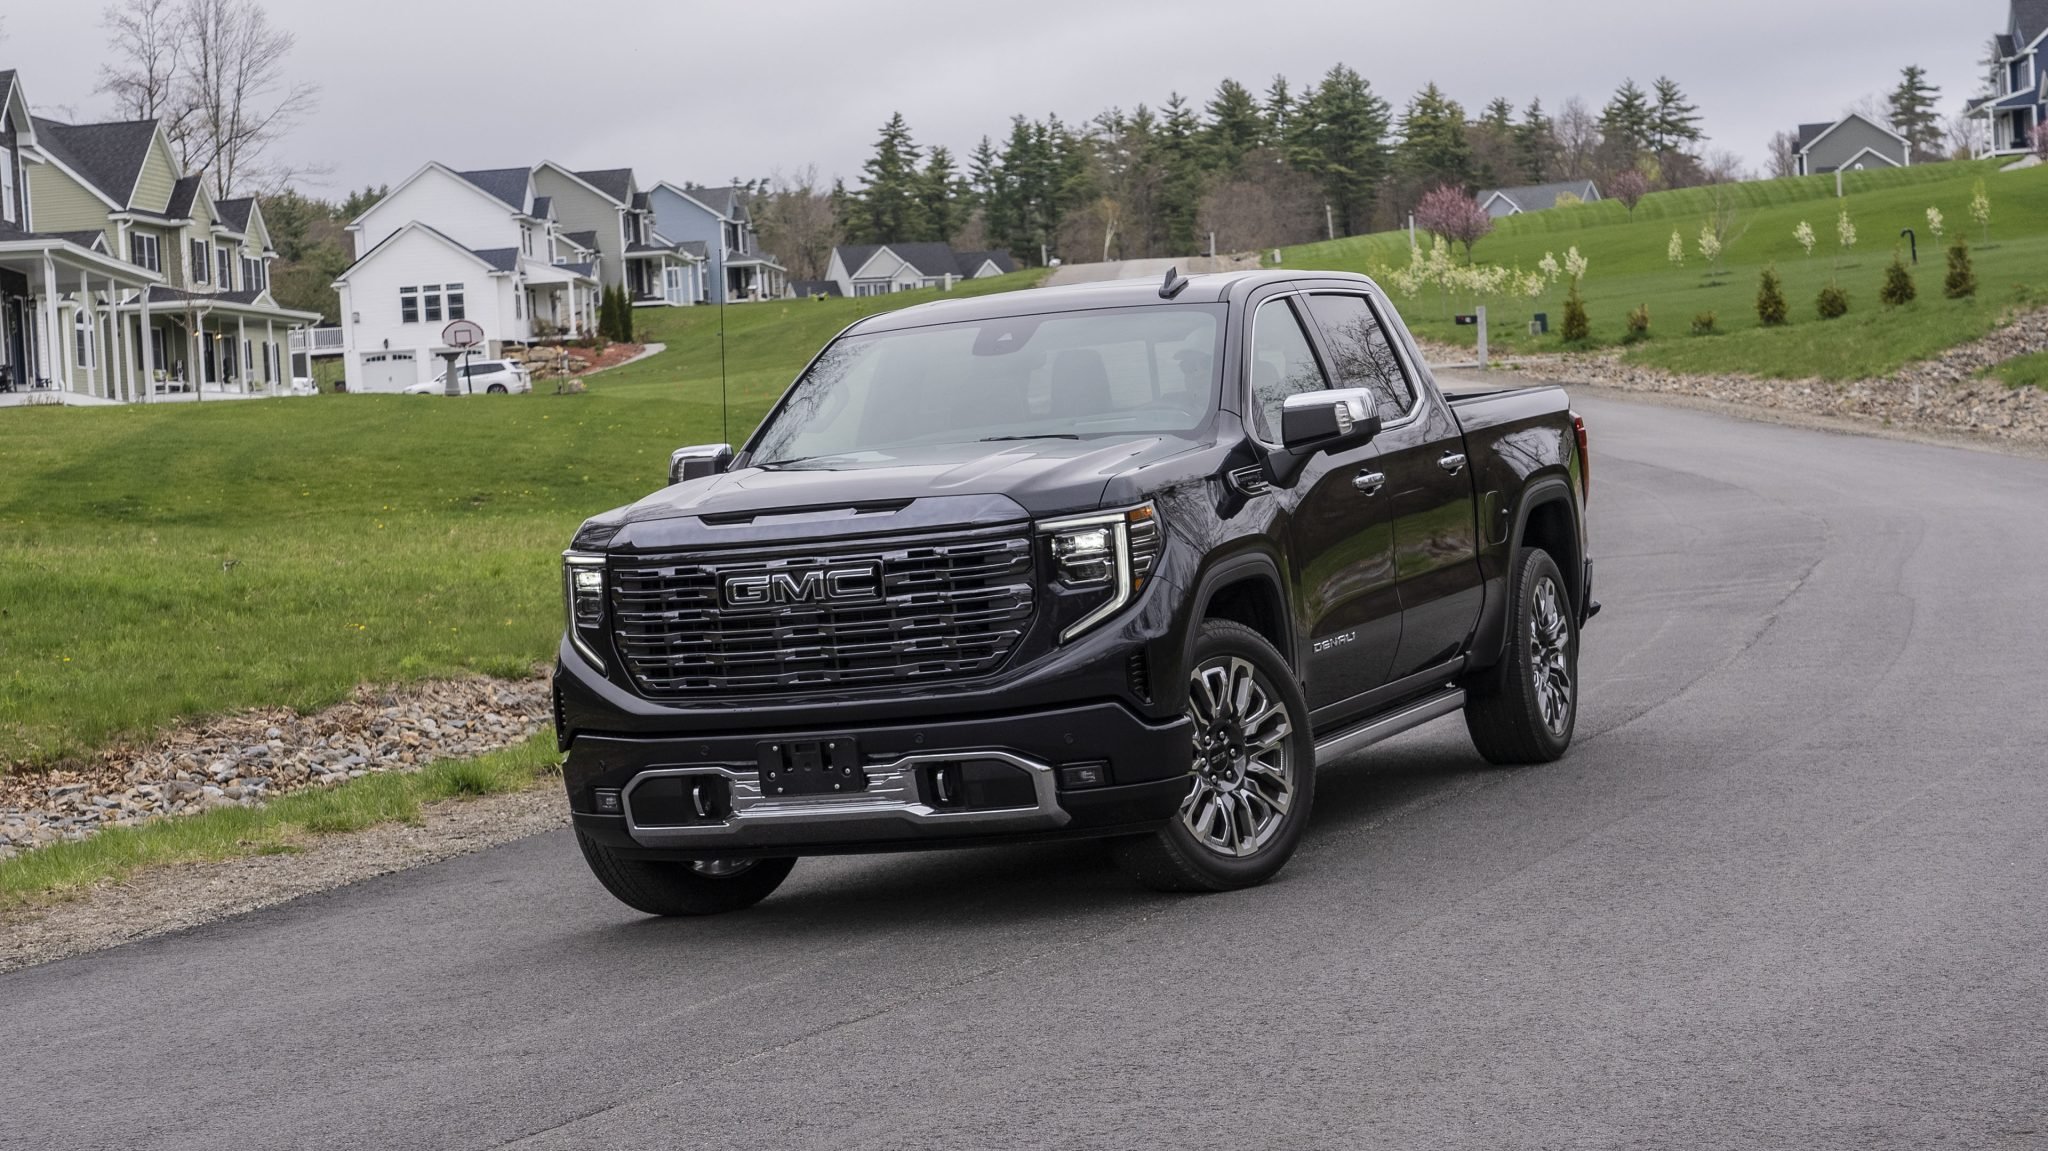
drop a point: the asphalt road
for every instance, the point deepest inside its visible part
(1790, 889)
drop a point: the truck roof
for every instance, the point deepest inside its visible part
(1208, 288)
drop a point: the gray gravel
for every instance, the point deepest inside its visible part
(1784, 892)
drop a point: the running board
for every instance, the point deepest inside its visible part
(1386, 727)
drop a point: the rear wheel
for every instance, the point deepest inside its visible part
(703, 887)
(496, 389)
(1523, 710)
(1254, 771)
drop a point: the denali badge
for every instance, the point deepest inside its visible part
(846, 583)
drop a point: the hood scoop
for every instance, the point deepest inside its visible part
(807, 515)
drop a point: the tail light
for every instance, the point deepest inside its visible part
(1585, 461)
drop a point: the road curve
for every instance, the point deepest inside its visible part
(1787, 890)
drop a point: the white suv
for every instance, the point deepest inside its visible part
(493, 376)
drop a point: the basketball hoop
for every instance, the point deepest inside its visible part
(462, 334)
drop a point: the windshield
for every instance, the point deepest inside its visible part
(1114, 372)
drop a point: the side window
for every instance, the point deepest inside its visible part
(1282, 365)
(1364, 357)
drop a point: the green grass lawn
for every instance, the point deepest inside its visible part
(188, 559)
(1629, 267)
(2025, 371)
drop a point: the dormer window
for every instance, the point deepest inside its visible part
(143, 251)
(224, 267)
(199, 262)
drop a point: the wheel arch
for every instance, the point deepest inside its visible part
(1547, 517)
(1248, 589)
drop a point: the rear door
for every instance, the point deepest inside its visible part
(1429, 485)
(1340, 536)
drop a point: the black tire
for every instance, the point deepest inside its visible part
(664, 888)
(1513, 709)
(496, 389)
(1235, 786)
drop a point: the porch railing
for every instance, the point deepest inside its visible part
(317, 342)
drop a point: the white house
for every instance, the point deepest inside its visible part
(879, 269)
(448, 245)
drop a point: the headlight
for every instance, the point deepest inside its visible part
(583, 600)
(1112, 553)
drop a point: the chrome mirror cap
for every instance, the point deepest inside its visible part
(697, 462)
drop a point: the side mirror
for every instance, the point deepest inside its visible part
(1326, 421)
(698, 462)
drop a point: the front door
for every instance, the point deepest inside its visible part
(1340, 536)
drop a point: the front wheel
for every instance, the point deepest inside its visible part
(1254, 771)
(703, 887)
(1523, 710)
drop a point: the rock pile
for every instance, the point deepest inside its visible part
(246, 758)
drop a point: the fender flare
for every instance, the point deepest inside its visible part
(1552, 488)
(1235, 569)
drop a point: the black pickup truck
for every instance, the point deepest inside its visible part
(1120, 560)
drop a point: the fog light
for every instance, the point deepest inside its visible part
(1079, 776)
(607, 800)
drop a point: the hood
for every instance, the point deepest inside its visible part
(941, 486)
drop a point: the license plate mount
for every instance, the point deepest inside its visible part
(829, 766)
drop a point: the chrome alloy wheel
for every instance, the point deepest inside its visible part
(1244, 770)
(722, 868)
(1550, 637)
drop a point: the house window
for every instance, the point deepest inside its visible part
(224, 266)
(252, 274)
(430, 298)
(456, 310)
(519, 303)
(408, 305)
(143, 251)
(7, 184)
(81, 335)
(199, 262)
(160, 348)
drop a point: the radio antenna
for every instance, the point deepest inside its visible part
(724, 425)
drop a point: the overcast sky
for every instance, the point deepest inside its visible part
(694, 91)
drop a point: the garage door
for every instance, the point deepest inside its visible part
(389, 371)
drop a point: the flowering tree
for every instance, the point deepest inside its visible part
(1934, 222)
(1629, 186)
(1710, 246)
(1450, 213)
(1547, 266)
(1845, 236)
(1980, 209)
(1574, 264)
(1675, 250)
(1804, 234)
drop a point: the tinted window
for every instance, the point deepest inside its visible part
(1117, 371)
(1283, 365)
(1364, 356)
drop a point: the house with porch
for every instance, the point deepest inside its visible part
(482, 245)
(1853, 143)
(606, 212)
(879, 269)
(2018, 105)
(121, 278)
(716, 219)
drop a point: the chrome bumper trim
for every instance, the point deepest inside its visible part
(892, 799)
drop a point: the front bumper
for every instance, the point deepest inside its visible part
(1094, 769)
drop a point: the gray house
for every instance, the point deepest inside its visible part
(606, 213)
(717, 219)
(1500, 202)
(1850, 144)
(2018, 105)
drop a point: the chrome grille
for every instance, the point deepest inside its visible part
(947, 607)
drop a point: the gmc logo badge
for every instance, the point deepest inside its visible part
(844, 583)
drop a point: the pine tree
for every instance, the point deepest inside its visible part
(942, 197)
(1180, 183)
(1536, 143)
(886, 209)
(1770, 298)
(1898, 289)
(1433, 148)
(1962, 278)
(1236, 126)
(1338, 136)
(1626, 124)
(1278, 110)
(1674, 124)
(991, 191)
(1912, 106)
(1499, 116)
(1577, 325)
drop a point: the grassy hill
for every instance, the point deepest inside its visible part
(186, 559)
(1629, 267)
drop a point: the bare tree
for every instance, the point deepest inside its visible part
(797, 223)
(1578, 140)
(1629, 186)
(233, 90)
(1965, 134)
(1784, 155)
(147, 38)
(1723, 166)
(1264, 205)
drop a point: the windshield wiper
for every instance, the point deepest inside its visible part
(1039, 436)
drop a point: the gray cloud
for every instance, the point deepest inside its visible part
(700, 91)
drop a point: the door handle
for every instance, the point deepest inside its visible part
(1370, 482)
(1452, 462)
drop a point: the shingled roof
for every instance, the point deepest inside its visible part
(108, 156)
(614, 182)
(234, 213)
(929, 258)
(2029, 20)
(507, 184)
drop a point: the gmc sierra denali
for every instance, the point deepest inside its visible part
(1121, 560)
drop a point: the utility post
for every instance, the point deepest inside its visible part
(1329, 220)
(1482, 337)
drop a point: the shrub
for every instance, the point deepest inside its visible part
(1577, 326)
(625, 316)
(1898, 287)
(1703, 324)
(1770, 299)
(1833, 303)
(1639, 323)
(1962, 278)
